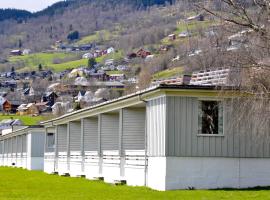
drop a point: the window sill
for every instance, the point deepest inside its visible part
(210, 135)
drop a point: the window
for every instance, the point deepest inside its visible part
(211, 117)
(50, 140)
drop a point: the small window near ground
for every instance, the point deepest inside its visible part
(50, 140)
(211, 117)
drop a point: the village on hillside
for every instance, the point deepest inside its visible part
(106, 73)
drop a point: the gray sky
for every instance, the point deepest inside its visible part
(31, 5)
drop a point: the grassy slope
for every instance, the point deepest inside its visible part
(29, 185)
(68, 65)
(97, 36)
(27, 120)
(168, 73)
(33, 60)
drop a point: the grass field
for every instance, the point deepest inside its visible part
(177, 71)
(99, 35)
(18, 184)
(32, 61)
(68, 65)
(27, 120)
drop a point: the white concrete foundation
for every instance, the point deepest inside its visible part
(207, 173)
(35, 163)
(111, 170)
(75, 164)
(49, 161)
(92, 165)
(62, 164)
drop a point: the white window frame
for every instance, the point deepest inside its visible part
(222, 134)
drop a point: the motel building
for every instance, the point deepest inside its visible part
(23, 147)
(166, 137)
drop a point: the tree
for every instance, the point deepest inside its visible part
(40, 67)
(91, 63)
(74, 35)
(251, 20)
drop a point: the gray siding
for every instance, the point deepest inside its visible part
(5, 146)
(133, 129)
(1, 147)
(75, 136)
(62, 138)
(24, 143)
(109, 131)
(90, 134)
(183, 140)
(19, 144)
(9, 145)
(37, 144)
(156, 126)
(14, 145)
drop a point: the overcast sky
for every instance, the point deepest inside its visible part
(31, 5)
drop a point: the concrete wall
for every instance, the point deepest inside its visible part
(208, 172)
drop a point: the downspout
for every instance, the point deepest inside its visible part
(145, 144)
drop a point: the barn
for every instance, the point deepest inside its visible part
(166, 137)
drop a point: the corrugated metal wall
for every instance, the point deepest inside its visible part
(75, 136)
(183, 140)
(37, 147)
(1, 147)
(133, 129)
(5, 146)
(90, 134)
(109, 131)
(62, 138)
(24, 144)
(9, 145)
(156, 126)
(14, 145)
(19, 144)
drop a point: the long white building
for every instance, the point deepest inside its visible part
(23, 148)
(166, 137)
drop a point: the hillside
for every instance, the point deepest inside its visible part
(60, 8)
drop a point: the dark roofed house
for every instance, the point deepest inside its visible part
(50, 98)
(16, 52)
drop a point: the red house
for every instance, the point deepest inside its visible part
(143, 53)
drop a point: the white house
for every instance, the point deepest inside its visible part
(166, 137)
(110, 50)
(23, 148)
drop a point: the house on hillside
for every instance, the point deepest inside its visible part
(16, 52)
(50, 98)
(172, 37)
(28, 109)
(10, 106)
(143, 53)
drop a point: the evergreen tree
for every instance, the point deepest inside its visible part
(91, 63)
(40, 67)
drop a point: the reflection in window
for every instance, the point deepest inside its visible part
(211, 117)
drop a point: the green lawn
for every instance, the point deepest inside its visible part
(96, 37)
(27, 120)
(68, 65)
(177, 71)
(32, 61)
(18, 184)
